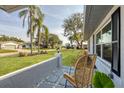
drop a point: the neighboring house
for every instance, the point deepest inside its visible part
(10, 45)
(104, 30)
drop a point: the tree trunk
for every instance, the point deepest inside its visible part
(76, 38)
(71, 43)
(52, 46)
(31, 39)
(81, 43)
(31, 34)
(46, 44)
(38, 41)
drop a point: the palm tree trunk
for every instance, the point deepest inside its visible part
(31, 33)
(31, 38)
(38, 41)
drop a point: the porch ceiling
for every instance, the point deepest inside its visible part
(11, 8)
(94, 14)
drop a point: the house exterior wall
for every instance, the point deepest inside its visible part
(90, 45)
(10, 45)
(101, 64)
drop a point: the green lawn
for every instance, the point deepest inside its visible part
(6, 51)
(69, 56)
(9, 64)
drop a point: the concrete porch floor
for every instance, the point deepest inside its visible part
(56, 79)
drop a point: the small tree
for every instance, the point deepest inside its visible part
(53, 40)
(73, 26)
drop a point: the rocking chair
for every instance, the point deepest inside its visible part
(83, 72)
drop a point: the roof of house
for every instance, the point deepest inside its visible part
(94, 14)
(11, 8)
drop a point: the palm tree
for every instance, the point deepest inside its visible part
(46, 33)
(39, 26)
(28, 14)
(31, 13)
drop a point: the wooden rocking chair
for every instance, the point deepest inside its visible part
(83, 72)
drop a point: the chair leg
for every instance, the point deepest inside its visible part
(66, 80)
(66, 83)
(90, 86)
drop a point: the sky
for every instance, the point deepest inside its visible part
(11, 24)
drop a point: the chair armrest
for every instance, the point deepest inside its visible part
(70, 78)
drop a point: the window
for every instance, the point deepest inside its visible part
(98, 50)
(107, 52)
(116, 42)
(115, 57)
(103, 43)
(107, 34)
(108, 42)
(98, 44)
(98, 38)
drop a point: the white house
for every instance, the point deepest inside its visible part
(10, 45)
(104, 30)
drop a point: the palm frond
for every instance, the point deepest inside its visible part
(23, 24)
(23, 13)
(28, 32)
(45, 29)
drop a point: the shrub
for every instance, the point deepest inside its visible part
(43, 52)
(101, 80)
(23, 54)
